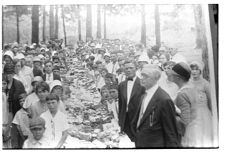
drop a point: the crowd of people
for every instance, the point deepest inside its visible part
(157, 98)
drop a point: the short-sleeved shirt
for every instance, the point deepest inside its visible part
(55, 126)
(21, 118)
(32, 143)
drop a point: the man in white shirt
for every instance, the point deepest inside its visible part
(130, 91)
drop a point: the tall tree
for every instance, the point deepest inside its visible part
(3, 27)
(64, 27)
(44, 20)
(18, 11)
(79, 23)
(51, 22)
(99, 21)
(143, 26)
(89, 23)
(201, 42)
(105, 22)
(56, 22)
(17, 24)
(35, 24)
(157, 27)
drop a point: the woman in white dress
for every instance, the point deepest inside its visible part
(202, 122)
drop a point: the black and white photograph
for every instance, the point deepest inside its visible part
(110, 76)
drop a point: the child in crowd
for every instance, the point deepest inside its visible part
(113, 101)
(56, 122)
(38, 107)
(38, 140)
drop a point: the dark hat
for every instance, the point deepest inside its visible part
(9, 69)
(37, 123)
(182, 69)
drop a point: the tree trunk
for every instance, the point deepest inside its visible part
(79, 23)
(99, 22)
(3, 27)
(89, 23)
(17, 25)
(56, 22)
(44, 19)
(157, 27)
(51, 22)
(64, 27)
(143, 26)
(105, 22)
(201, 42)
(35, 24)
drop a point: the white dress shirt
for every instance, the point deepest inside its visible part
(49, 78)
(130, 85)
(150, 92)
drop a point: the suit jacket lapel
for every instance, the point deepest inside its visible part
(150, 106)
(137, 112)
(135, 87)
(125, 91)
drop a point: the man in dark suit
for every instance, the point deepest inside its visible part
(49, 76)
(130, 91)
(154, 124)
(37, 66)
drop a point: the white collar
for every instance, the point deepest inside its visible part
(49, 113)
(40, 142)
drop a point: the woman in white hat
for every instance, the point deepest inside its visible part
(56, 87)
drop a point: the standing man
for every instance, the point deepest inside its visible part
(154, 124)
(130, 91)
